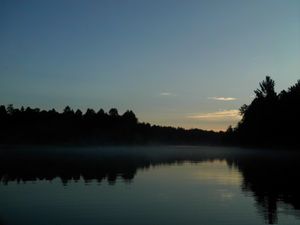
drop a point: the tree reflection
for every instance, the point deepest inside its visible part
(271, 177)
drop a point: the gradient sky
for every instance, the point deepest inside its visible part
(179, 63)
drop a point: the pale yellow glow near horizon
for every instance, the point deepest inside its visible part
(215, 120)
(213, 126)
(223, 98)
(224, 115)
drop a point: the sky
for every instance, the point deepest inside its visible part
(188, 63)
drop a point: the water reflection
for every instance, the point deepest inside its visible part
(271, 177)
(215, 172)
(273, 180)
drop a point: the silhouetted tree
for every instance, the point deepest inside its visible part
(78, 113)
(101, 112)
(67, 110)
(37, 126)
(267, 89)
(270, 119)
(113, 112)
(130, 117)
(10, 109)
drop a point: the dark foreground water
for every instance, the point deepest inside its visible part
(148, 185)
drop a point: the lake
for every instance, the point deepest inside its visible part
(148, 185)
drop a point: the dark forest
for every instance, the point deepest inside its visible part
(35, 126)
(270, 120)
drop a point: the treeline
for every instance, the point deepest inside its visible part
(271, 119)
(36, 126)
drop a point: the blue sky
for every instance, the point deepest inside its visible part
(178, 63)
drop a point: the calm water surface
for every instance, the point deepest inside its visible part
(148, 185)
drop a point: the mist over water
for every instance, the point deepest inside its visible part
(148, 185)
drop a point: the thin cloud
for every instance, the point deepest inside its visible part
(223, 98)
(167, 94)
(225, 115)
